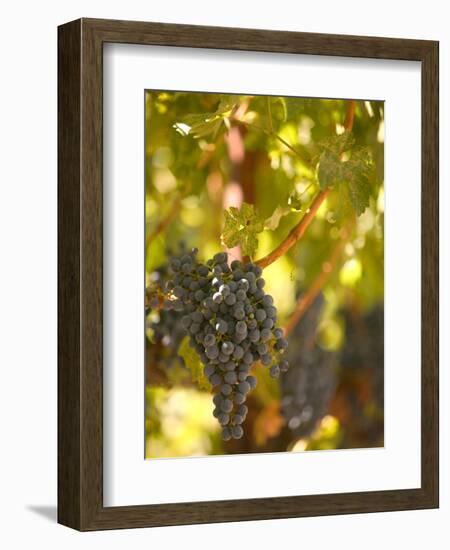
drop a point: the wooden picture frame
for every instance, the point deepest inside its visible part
(80, 271)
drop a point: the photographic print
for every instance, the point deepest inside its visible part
(264, 275)
(221, 274)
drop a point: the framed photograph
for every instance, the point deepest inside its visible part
(248, 274)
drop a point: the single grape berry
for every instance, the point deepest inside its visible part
(223, 419)
(244, 387)
(230, 377)
(239, 398)
(284, 365)
(209, 370)
(215, 379)
(226, 434)
(226, 389)
(227, 348)
(226, 405)
(237, 432)
(221, 326)
(274, 371)
(209, 340)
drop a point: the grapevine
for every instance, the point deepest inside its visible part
(291, 190)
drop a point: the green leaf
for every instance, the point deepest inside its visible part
(344, 206)
(203, 127)
(337, 144)
(359, 193)
(241, 227)
(194, 364)
(329, 172)
(274, 221)
(205, 124)
(353, 177)
(359, 174)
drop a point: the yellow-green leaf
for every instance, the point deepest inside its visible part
(193, 363)
(241, 228)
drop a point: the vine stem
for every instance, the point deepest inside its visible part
(350, 115)
(325, 273)
(296, 233)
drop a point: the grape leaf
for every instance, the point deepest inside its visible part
(337, 144)
(344, 206)
(329, 172)
(359, 173)
(330, 167)
(274, 221)
(241, 227)
(352, 177)
(205, 124)
(194, 364)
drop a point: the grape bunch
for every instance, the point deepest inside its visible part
(163, 326)
(363, 352)
(231, 323)
(309, 385)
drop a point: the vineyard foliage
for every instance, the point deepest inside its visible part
(237, 174)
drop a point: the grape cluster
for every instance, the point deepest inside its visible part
(309, 385)
(231, 323)
(164, 328)
(363, 351)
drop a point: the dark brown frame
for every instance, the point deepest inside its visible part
(80, 415)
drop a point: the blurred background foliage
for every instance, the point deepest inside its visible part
(206, 152)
